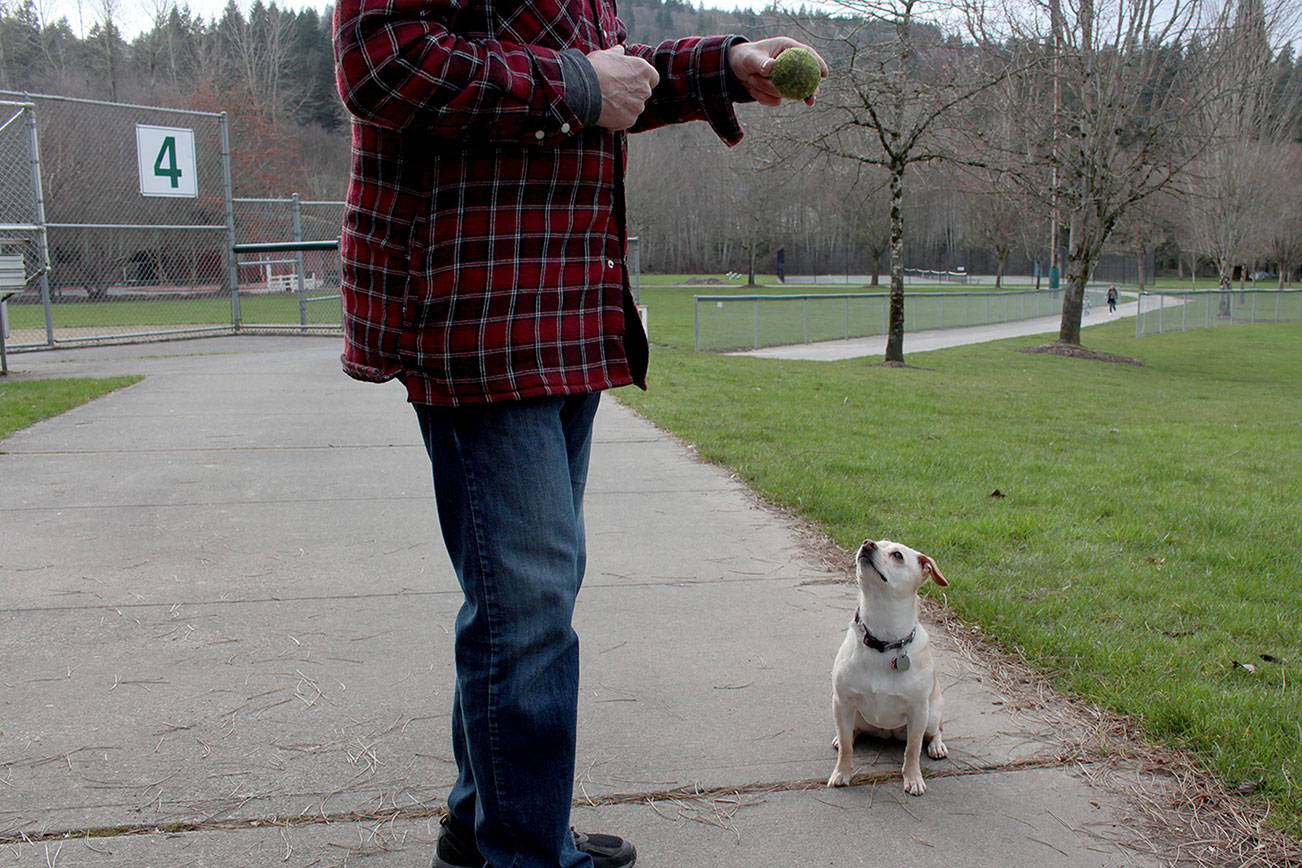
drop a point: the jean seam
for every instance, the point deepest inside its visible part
(486, 586)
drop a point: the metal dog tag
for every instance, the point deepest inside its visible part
(901, 663)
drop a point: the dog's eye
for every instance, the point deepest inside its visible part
(897, 556)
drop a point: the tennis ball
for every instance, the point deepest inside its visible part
(796, 73)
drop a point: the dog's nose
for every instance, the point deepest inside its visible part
(869, 544)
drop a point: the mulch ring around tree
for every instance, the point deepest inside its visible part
(1076, 351)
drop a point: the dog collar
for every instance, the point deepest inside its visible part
(877, 644)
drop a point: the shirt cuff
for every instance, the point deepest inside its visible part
(737, 91)
(582, 87)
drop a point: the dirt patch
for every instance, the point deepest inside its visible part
(904, 365)
(705, 281)
(1076, 351)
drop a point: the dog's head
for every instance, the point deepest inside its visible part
(882, 565)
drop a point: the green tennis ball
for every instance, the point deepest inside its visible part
(796, 73)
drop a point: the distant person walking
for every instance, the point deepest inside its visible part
(1112, 298)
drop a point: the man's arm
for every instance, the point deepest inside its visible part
(399, 65)
(701, 77)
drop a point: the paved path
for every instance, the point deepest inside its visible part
(936, 339)
(224, 605)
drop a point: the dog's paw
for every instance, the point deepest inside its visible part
(914, 786)
(839, 778)
(936, 749)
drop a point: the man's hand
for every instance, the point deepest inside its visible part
(752, 62)
(626, 84)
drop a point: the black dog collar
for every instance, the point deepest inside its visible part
(877, 644)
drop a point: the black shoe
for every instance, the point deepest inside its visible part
(607, 851)
(456, 848)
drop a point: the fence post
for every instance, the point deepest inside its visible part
(298, 262)
(696, 323)
(756, 344)
(43, 241)
(804, 306)
(232, 264)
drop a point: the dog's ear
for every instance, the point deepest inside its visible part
(930, 570)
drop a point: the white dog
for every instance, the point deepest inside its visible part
(884, 679)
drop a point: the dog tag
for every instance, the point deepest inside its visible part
(901, 663)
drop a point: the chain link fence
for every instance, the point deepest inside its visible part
(22, 237)
(1207, 308)
(736, 322)
(137, 222)
(288, 290)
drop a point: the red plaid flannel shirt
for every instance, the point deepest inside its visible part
(484, 239)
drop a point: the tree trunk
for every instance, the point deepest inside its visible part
(1079, 263)
(1226, 283)
(895, 332)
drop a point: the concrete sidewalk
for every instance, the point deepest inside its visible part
(935, 339)
(224, 604)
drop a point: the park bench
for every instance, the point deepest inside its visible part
(13, 280)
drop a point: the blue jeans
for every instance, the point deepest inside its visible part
(508, 484)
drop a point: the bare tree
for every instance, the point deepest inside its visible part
(762, 210)
(260, 46)
(1235, 182)
(1283, 204)
(109, 38)
(1129, 80)
(859, 205)
(1000, 216)
(900, 76)
(1225, 193)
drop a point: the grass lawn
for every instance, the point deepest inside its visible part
(26, 402)
(163, 312)
(1149, 534)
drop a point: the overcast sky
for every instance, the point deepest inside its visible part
(133, 16)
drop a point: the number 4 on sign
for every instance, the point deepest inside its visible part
(166, 161)
(168, 152)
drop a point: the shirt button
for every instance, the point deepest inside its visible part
(610, 263)
(565, 128)
(540, 135)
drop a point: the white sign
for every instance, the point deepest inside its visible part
(166, 158)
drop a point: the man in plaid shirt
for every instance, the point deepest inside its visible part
(483, 261)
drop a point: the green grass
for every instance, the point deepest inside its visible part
(169, 312)
(26, 402)
(1149, 534)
